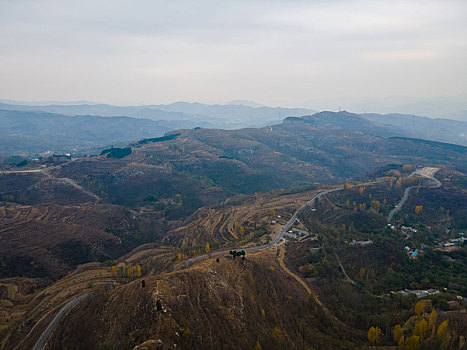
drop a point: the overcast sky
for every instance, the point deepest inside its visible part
(287, 53)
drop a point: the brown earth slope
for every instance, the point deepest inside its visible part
(48, 241)
(209, 306)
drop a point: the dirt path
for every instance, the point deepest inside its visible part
(290, 273)
(348, 279)
(348, 328)
(46, 172)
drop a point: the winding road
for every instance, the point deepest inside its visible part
(426, 172)
(44, 338)
(281, 233)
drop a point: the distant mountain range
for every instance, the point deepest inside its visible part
(230, 116)
(84, 129)
(451, 107)
(388, 125)
(36, 132)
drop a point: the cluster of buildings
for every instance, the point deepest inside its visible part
(408, 231)
(452, 242)
(413, 254)
(424, 293)
(419, 293)
(298, 234)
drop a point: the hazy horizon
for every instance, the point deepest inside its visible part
(318, 55)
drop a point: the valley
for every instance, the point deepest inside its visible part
(233, 175)
(221, 226)
(260, 233)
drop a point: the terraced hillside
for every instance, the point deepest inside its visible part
(48, 241)
(244, 220)
(28, 305)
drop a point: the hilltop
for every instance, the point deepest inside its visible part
(82, 129)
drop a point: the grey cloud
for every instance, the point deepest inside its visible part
(276, 52)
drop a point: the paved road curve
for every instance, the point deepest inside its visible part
(62, 313)
(281, 233)
(51, 327)
(406, 194)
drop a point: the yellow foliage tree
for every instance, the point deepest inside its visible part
(443, 329)
(236, 226)
(432, 319)
(272, 212)
(178, 198)
(179, 256)
(138, 271)
(420, 328)
(362, 272)
(114, 271)
(398, 333)
(242, 230)
(399, 183)
(347, 203)
(375, 205)
(418, 209)
(360, 190)
(373, 335)
(401, 342)
(412, 343)
(207, 249)
(263, 313)
(186, 332)
(276, 332)
(419, 308)
(347, 186)
(258, 346)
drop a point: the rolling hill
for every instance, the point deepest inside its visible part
(36, 132)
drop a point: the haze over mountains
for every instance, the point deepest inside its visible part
(227, 116)
(450, 107)
(85, 128)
